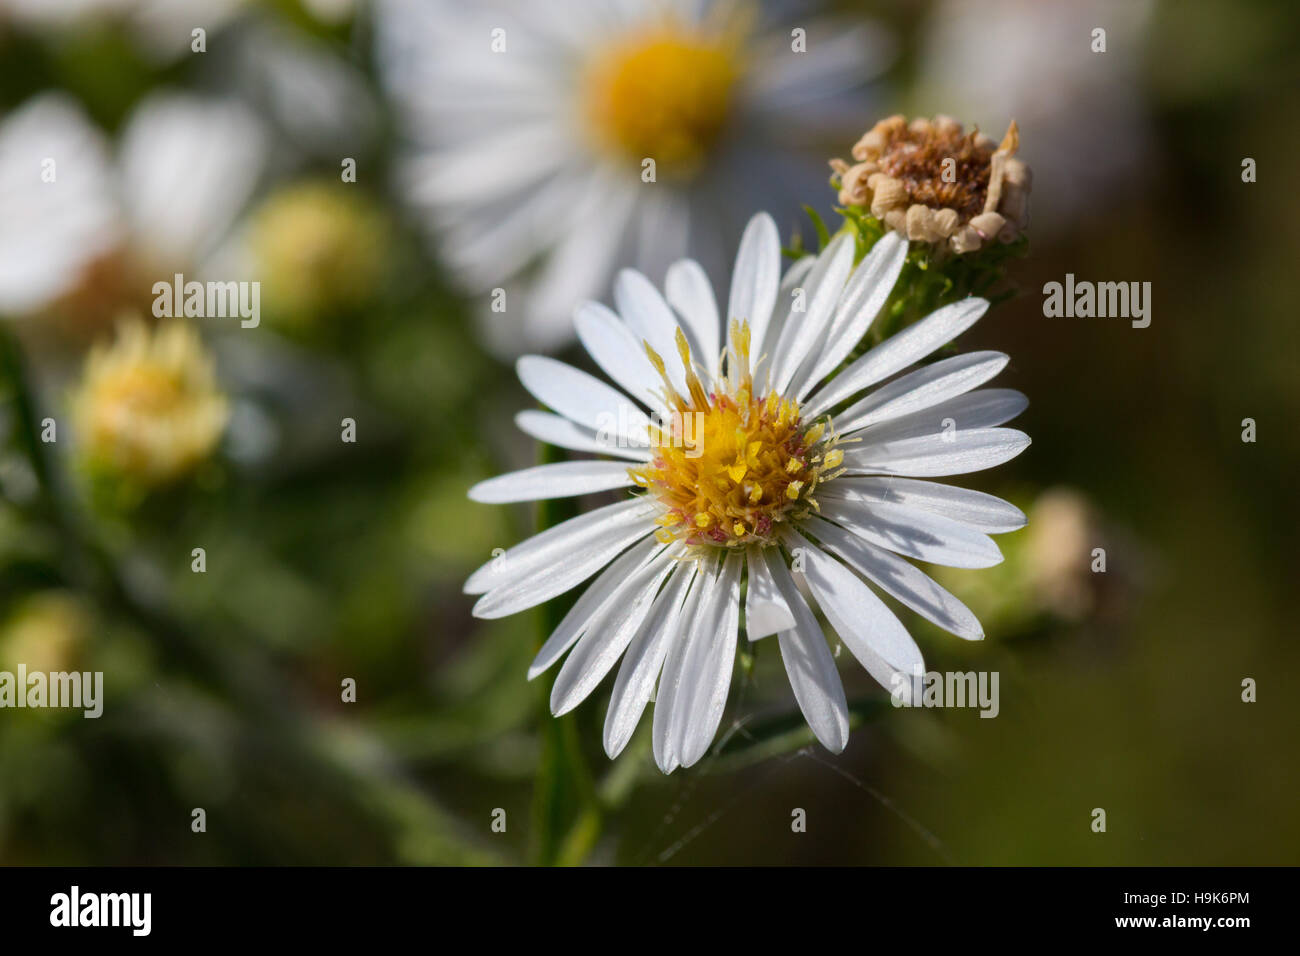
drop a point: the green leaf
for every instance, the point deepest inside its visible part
(823, 234)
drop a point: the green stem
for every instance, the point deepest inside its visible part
(566, 812)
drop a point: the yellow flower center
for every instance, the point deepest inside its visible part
(663, 94)
(729, 466)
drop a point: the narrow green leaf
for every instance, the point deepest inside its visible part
(823, 234)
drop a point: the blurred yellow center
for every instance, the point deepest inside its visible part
(140, 390)
(730, 466)
(321, 248)
(662, 94)
(148, 407)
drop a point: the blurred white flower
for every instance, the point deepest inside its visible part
(162, 28)
(47, 14)
(742, 457)
(50, 233)
(184, 169)
(1081, 112)
(529, 124)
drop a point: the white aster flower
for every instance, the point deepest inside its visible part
(754, 470)
(530, 124)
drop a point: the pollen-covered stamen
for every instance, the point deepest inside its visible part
(729, 467)
(699, 398)
(671, 395)
(739, 377)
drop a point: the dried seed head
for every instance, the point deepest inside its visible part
(936, 183)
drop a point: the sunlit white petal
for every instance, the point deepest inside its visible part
(559, 480)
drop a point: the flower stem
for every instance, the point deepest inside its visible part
(566, 811)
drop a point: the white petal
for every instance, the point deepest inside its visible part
(578, 264)
(766, 611)
(469, 173)
(555, 579)
(556, 544)
(805, 330)
(867, 627)
(755, 279)
(864, 297)
(51, 231)
(983, 408)
(816, 685)
(616, 350)
(811, 668)
(918, 534)
(651, 319)
(662, 738)
(643, 661)
(605, 640)
(662, 234)
(849, 53)
(484, 250)
(934, 455)
(983, 512)
(710, 659)
(555, 430)
(584, 399)
(689, 292)
(898, 352)
(922, 389)
(563, 479)
(592, 604)
(187, 167)
(793, 279)
(906, 582)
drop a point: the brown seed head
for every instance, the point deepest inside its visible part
(934, 182)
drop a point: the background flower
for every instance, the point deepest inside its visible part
(160, 28)
(96, 236)
(148, 409)
(528, 133)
